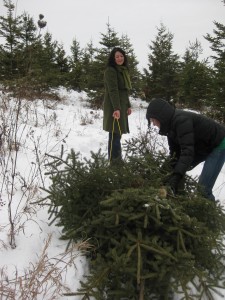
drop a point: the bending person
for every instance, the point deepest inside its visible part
(192, 138)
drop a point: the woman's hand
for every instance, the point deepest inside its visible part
(116, 114)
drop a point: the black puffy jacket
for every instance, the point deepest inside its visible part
(191, 136)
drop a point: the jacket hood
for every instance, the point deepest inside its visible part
(162, 111)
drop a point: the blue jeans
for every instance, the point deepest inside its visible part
(114, 146)
(211, 169)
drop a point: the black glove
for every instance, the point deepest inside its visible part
(173, 181)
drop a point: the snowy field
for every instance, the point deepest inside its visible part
(28, 245)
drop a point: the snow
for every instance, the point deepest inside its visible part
(43, 127)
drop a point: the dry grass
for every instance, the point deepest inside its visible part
(43, 279)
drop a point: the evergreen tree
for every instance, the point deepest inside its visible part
(218, 47)
(47, 60)
(88, 59)
(109, 40)
(75, 64)
(28, 38)
(163, 68)
(10, 31)
(195, 78)
(62, 66)
(20, 54)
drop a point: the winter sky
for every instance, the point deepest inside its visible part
(85, 20)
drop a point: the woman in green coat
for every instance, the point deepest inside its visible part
(116, 107)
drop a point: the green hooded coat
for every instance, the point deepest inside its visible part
(116, 98)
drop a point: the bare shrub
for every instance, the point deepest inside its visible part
(18, 117)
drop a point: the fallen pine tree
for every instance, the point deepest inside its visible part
(146, 243)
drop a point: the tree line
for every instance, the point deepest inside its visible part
(33, 62)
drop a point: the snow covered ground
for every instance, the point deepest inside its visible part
(43, 127)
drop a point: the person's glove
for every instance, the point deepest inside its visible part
(173, 181)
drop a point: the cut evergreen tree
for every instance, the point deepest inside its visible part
(146, 243)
